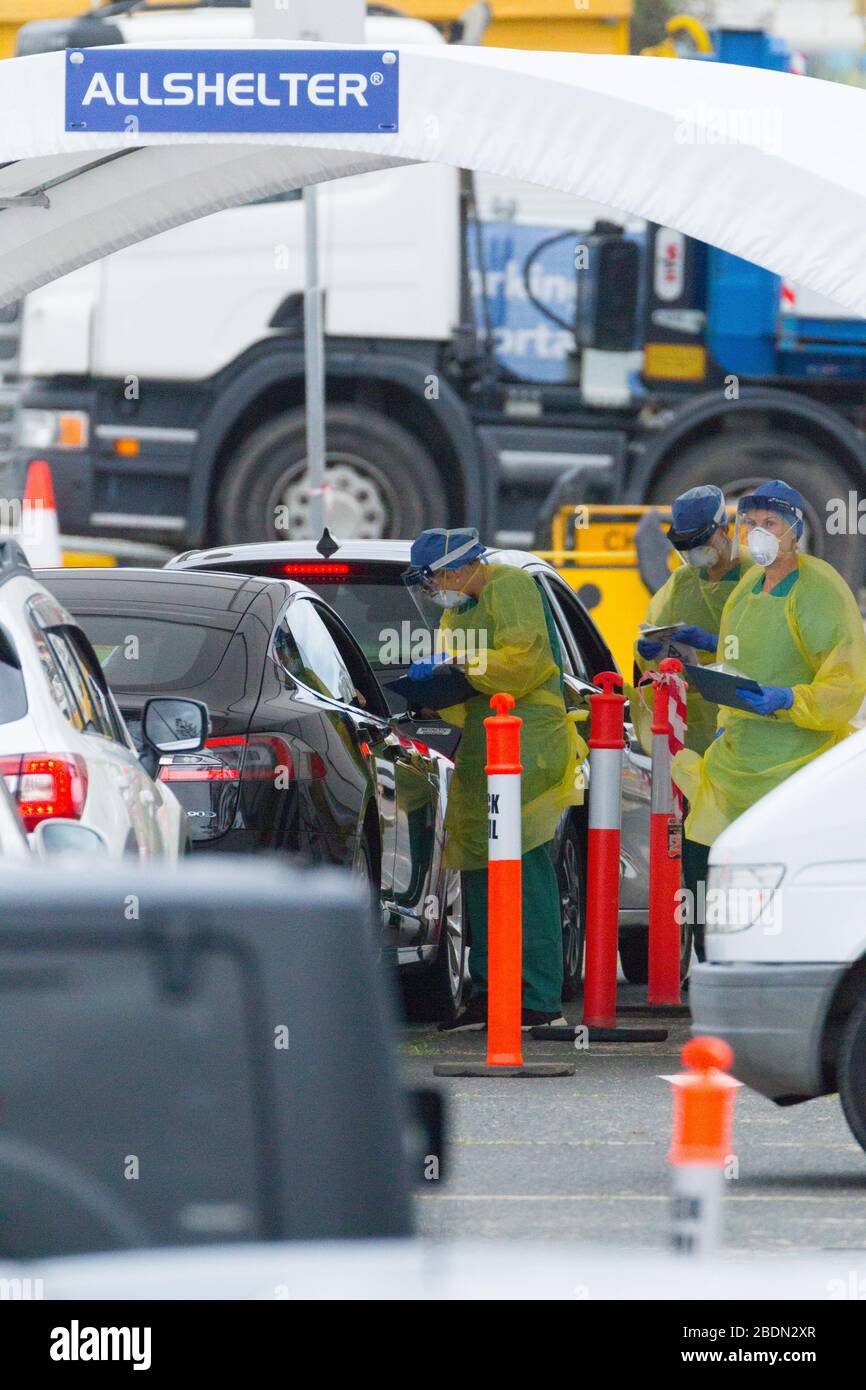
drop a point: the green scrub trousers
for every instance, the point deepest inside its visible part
(696, 866)
(542, 931)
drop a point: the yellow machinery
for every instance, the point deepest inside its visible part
(594, 549)
(581, 26)
(14, 13)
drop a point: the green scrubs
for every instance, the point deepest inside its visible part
(542, 931)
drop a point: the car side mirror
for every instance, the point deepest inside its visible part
(61, 836)
(174, 725)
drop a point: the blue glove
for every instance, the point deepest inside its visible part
(422, 670)
(697, 637)
(771, 698)
(648, 649)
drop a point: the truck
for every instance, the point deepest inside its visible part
(490, 348)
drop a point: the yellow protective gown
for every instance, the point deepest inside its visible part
(687, 597)
(514, 655)
(809, 637)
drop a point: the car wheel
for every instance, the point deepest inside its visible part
(381, 480)
(634, 954)
(634, 957)
(366, 865)
(437, 994)
(851, 1073)
(570, 880)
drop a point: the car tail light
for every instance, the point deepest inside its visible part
(236, 758)
(46, 785)
(315, 570)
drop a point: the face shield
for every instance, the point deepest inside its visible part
(698, 528)
(760, 527)
(431, 589)
(698, 551)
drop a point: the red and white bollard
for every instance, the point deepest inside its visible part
(504, 909)
(702, 1141)
(606, 743)
(504, 886)
(606, 747)
(666, 840)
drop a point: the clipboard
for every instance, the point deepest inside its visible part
(447, 686)
(667, 633)
(720, 687)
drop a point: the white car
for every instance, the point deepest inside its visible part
(65, 751)
(785, 978)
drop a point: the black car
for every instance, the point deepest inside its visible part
(303, 756)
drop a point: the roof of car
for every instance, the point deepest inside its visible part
(394, 552)
(213, 590)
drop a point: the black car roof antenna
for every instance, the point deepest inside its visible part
(327, 545)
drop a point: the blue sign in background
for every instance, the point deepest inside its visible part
(232, 91)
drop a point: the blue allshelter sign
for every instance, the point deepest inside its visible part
(232, 91)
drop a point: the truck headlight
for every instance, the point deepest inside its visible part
(53, 429)
(744, 895)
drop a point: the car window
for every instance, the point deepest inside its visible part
(62, 651)
(304, 648)
(61, 691)
(591, 652)
(367, 691)
(13, 691)
(154, 654)
(108, 720)
(368, 595)
(566, 646)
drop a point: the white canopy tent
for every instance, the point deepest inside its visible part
(765, 165)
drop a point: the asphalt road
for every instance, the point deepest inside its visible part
(584, 1158)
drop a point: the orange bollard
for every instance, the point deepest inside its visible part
(703, 1123)
(504, 908)
(666, 837)
(504, 885)
(606, 743)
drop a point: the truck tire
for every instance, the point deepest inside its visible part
(738, 462)
(851, 1073)
(383, 482)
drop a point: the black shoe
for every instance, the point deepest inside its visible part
(534, 1018)
(473, 1019)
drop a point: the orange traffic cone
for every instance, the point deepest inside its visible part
(40, 532)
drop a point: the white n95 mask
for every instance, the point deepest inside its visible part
(448, 598)
(702, 557)
(763, 546)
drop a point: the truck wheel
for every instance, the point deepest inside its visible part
(381, 482)
(737, 463)
(851, 1073)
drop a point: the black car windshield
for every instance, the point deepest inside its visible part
(154, 654)
(370, 598)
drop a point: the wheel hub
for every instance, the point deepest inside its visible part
(355, 505)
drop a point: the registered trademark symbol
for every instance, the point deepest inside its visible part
(377, 79)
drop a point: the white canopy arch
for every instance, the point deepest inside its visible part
(765, 165)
